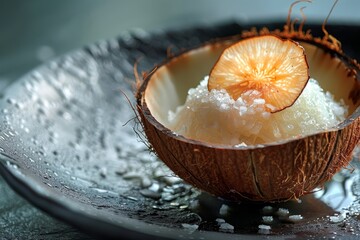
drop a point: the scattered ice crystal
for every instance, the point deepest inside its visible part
(219, 220)
(267, 219)
(241, 145)
(155, 187)
(266, 227)
(190, 227)
(267, 209)
(282, 212)
(295, 218)
(146, 182)
(170, 180)
(224, 209)
(338, 218)
(226, 227)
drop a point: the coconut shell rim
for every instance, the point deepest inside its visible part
(142, 105)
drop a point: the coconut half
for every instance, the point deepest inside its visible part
(276, 171)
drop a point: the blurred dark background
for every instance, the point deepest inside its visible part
(34, 31)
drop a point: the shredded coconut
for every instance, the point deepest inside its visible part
(265, 227)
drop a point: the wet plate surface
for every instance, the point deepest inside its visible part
(68, 145)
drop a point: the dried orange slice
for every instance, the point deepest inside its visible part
(275, 67)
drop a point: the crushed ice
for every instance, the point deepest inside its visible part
(217, 118)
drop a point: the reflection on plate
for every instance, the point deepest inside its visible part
(70, 144)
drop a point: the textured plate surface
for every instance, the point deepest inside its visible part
(70, 145)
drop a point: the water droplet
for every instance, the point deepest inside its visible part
(103, 172)
(132, 198)
(11, 133)
(41, 153)
(11, 164)
(99, 190)
(155, 187)
(34, 141)
(150, 194)
(264, 229)
(28, 86)
(165, 207)
(19, 105)
(267, 209)
(132, 175)
(146, 182)
(11, 101)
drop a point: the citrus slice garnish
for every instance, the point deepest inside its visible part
(275, 67)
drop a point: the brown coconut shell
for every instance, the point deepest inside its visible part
(271, 172)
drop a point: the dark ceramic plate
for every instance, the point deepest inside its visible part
(70, 145)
